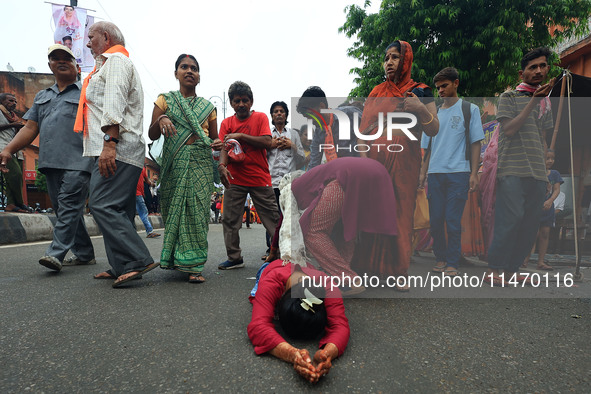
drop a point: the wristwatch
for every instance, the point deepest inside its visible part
(108, 138)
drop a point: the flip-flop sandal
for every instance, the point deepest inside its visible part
(135, 274)
(196, 278)
(451, 271)
(495, 280)
(440, 266)
(522, 279)
(108, 275)
(545, 267)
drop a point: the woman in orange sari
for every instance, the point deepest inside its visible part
(401, 156)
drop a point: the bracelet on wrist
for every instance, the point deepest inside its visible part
(162, 116)
(432, 118)
(223, 165)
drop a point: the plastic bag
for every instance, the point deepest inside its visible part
(235, 152)
(421, 220)
(155, 150)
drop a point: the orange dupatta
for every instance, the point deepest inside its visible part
(376, 103)
(81, 124)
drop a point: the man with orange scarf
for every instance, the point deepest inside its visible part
(110, 115)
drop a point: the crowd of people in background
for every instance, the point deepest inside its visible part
(359, 205)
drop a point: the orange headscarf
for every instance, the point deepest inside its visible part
(81, 124)
(375, 102)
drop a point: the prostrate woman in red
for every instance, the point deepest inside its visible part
(305, 311)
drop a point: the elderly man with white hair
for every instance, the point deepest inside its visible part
(110, 115)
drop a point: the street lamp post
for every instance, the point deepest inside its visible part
(224, 103)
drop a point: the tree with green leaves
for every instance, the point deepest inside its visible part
(483, 39)
(40, 181)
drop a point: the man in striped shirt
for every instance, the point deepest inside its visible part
(525, 117)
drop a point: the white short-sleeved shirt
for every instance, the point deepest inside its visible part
(448, 149)
(115, 96)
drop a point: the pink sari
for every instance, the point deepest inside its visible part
(488, 186)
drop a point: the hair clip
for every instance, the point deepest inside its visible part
(309, 301)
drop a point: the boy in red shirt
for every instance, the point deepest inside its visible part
(140, 203)
(251, 130)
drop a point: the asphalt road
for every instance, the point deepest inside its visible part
(67, 332)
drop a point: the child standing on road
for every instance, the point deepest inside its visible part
(547, 219)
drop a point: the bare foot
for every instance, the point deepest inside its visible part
(104, 275)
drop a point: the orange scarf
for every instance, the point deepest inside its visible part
(376, 102)
(81, 124)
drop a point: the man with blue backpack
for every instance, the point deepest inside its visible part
(451, 162)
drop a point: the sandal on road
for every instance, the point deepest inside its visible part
(196, 278)
(440, 266)
(494, 281)
(109, 275)
(134, 274)
(545, 267)
(451, 271)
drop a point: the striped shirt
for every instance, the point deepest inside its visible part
(115, 97)
(522, 154)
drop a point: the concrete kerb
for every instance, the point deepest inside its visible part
(27, 227)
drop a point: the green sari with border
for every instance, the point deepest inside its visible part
(187, 184)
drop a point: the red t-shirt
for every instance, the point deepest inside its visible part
(254, 170)
(139, 191)
(261, 329)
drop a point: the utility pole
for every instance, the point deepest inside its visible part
(224, 103)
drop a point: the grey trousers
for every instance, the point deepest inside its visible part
(112, 203)
(68, 190)
(263, 199)
(518, 209)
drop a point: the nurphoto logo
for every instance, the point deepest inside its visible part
(393, 122)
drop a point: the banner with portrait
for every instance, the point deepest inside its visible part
(87, 59)
(71, 30)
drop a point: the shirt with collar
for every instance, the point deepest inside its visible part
(115, 97)
(55, 113)
(283, 162)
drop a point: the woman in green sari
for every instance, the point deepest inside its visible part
(189, 126)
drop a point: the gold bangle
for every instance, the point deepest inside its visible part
(432, 117)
